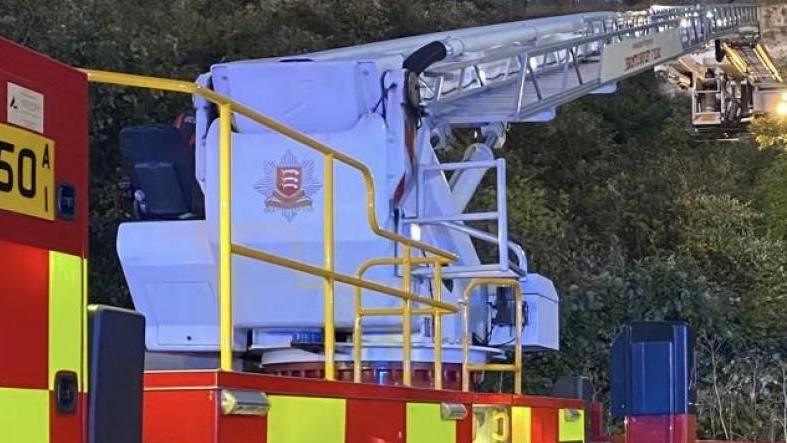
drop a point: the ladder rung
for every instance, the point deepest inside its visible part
(470, 216)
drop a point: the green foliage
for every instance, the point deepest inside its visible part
(614, 200)
(770, 132)
(772, 190)
(636, 219)
(743, 395)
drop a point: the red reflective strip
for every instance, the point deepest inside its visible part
(399, 191)
(410, 132)
(544, 425)
(24, 306)
(242, 429)
(67, 428)
(175, 416)
(597, 428)
(464, 428)
(661, 429)
(373, 421)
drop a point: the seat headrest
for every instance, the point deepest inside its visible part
(313, 97)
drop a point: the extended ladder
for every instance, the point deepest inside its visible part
(516, 83)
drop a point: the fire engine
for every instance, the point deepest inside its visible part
(305, 268)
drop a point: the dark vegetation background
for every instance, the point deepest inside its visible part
(614, 200)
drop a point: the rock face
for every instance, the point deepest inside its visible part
(773, 19)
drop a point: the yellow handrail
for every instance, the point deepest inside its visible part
(226, 246)
(225, 239)
(407, 325)
(406, 312)
(329, 333)
(437, 333)
(516, 366)
(140, 81)
(341, 278)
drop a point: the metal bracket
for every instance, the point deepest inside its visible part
(239, 402)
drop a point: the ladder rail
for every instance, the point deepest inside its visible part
(448, 83)
(582, 46)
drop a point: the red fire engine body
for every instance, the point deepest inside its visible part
(73, 374)
(43, 161)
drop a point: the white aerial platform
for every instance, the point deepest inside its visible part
(392, 107)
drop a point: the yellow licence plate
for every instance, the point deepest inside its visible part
(27, 173)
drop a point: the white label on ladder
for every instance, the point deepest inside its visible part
(631, 56)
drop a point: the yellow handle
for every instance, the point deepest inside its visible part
(502, 431)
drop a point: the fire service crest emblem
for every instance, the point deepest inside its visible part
(288, 185)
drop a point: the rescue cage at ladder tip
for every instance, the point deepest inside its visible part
(244, 249)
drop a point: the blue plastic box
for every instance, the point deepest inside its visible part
(653, 369)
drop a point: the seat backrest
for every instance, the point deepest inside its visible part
(161, 164)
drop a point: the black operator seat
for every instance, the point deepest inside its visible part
(160, 165)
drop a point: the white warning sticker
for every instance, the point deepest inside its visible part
(25, 107)
(636, 55)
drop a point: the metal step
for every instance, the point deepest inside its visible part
(515, 102)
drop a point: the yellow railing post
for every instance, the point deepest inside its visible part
(518, 324)
(357, 335)
(328, 294)
(407, 333)
(437, 324)
(434, 310)
(465, 344)
(225, 237)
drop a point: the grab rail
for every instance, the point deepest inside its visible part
(516, 366)
(406, 312)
